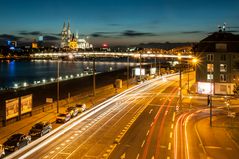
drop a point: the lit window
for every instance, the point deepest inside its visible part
(210, 57)
(223, 68)
(210, 76)
(210, 68)
(223, 77)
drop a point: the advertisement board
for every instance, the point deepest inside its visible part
(137, 71)
(26, 104)
(12, 108)
(153, 71)
(205, 88)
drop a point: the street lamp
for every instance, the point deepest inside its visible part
(58, 86)
(128, 71)
(180, 80)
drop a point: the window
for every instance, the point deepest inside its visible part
(210, 57)
(209, 76)
(223, 68)
(223, 77)
(221, 47)
(223, 57)
(210, 68)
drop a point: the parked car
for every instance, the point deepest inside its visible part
(16, 142)
(2, 151)
(40, 129)
(73, 111)
(81, 107)
(63, 117)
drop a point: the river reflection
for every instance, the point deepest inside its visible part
(17, 72)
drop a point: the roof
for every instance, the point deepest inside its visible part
(208, 44)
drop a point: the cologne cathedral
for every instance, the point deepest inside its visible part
(71, 41)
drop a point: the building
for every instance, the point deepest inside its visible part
(71, 41)
(218, 70)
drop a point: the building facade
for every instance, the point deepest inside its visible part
(71, 41)
(218, 70)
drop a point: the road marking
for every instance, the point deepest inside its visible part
(137, 156)
(72, 137)
(150, 111)
(57, 148)
(213, 147)
(173, 117)
(171, 134)
(152, 124)
(172, 126)
(147, 133)
(68, 140)
(169, 146)
(143, 143)
(46, 157)
(63, 144)
(52, 152)
(166, 112)
(122, 156)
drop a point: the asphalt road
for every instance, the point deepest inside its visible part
(95, 133)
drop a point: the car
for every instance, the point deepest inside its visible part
(73, 111)
(2, 151)
(63, 117)
(81, 107)
(40, 129)
(16, 142)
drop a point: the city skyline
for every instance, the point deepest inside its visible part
(117, 22)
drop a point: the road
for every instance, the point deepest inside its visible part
(91, 134)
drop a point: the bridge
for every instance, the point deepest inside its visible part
(112, 54)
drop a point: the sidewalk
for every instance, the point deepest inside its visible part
(25, 124)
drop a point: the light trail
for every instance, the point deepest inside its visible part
(53, 135)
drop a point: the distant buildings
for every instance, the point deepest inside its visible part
(71, 41)
(218, 69)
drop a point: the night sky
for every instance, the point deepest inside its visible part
(117, 22)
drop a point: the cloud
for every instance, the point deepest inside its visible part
(104, 34)
(9, 37)
(33, 33)
(51, 38)
(132, 33)
(192, 32)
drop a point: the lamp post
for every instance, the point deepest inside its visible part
(58, 86)
(140, 66)
(210, 98)
(128, 71)
(180, 80)
(94, 76)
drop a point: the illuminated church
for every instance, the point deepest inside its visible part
(72, 41)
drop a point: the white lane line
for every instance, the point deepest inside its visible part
(173, 117)
(137, 156)
(152, 124)
(150, 111)
(52, 152)
(169, 146)
(172, 126)
(166, 112)
(171, 135)
(57, 148)
(147, 133)
(46, 157)
(142, 143)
